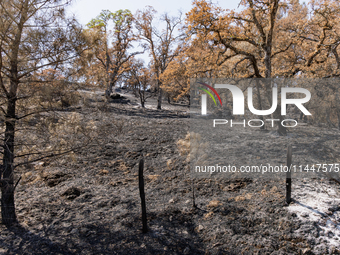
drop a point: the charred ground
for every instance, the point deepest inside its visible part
(88, 203)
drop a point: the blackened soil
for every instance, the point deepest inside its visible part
(90, 204)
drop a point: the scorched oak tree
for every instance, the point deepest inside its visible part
(34, 35)
(111, 46)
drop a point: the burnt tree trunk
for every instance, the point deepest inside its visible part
(159, 99)
(111, 84)
(7, 179)
(7, 183)
(277, 115)
(267, 48)
(141, 97)
(259, 101)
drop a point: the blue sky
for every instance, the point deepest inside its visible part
(85, 10)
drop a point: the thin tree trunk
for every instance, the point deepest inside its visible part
(108, 81)
(111, 84)
(141, 97)
(277, 113)
(259, 101)
(281, 129)
(7, 185)
(267, 62)
(159, 100)
(268, 72)
(7, 179)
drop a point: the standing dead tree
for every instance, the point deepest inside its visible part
(162, 46)
(34, 35)
(139, 79)
(248, 42)
(111, 47)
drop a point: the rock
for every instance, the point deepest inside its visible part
(38, 165)
(208, 215)
(74, 231)
(72, 193)
(248, 196)
(330, 234)
(53, 178)
(115, 96)
(102, 204)
(115, 201)
(65, 103)
(83, 231)
(199, 228)
(85, 198)
(334, 250)
(334, 208)
(186, 250)
(239, 198)
(273, 190)
(110, 146)
(213, 203)
(103, 172)
(307, 251)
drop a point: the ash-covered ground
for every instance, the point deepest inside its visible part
(89, 203)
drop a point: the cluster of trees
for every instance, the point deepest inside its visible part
(270, 39)
(40, 46)
(111, 59)
(265, 39)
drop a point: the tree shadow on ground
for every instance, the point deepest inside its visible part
(163, 237)
(21, 241)
(147, 113)
(176, 236)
